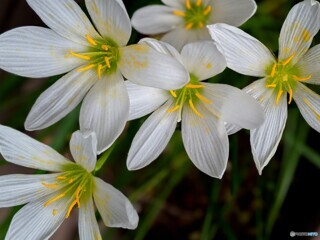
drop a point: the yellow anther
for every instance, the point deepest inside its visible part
(61, 177)
(99, 71)
(70, 180)
(194, 109)
(300, 78)
(107, 60)
(189, 26)
(86, 68)
(207, 10)
(271, 85)
(70, 208)
(284, 63)
(200, 25)
(50, 185)
(279, 96)
(188, 4)
(179, 13)
(198, 3)
(105, 47)
(203, 99)
(77, 55)
(173, 93)
(91, 40)
(54, 199)
(290, 96)
(193, 86)
(274, 68)
(175, 108)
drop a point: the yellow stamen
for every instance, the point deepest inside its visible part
(86, 68)
(198, 3)
(271, 85)
(76, 201)
(195, 86)
(200, 25)
(279, 96)
(179, 13)
(188, 4)
(173, 109)
(274, 68)
(207, 10)
(77, 55)
(107, 60)
(91, 40)
(173, 93)
(99, 71)
(61, 177)
(189, 26)
(50, 185)
(105, 47)
(70, 180)
(284, 63)
(290, 96)
(194, 109)
(203, 99)
(54, 199)
(300, 78)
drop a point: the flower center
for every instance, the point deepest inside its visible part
(103, 55)
(195, 15)
(74, 184)
(283, 78)
(190, 94)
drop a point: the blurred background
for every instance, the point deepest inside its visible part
(173, 198)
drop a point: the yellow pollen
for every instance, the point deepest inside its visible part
(61, 177)
(200, 25)
(284, 63)
(300, 78)
(70, 180)
(207, 10)
(279, 96)
(50, 185)
(99, 71)
(274, 68)
(77, 55)
(194, 109)
(192, 86)
(198, 3)
(271, 85)
(203, 99)
(54, 212)
(173, 93)
(290, 96)
(86, 68)
(54, 199)
(189, 26)
(179, 13)
(107, 60)
(91, 40)
(173, 109)
(188, 4)
(105, 47)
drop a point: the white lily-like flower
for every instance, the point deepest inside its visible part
(51, 197)
(184, 21)
(203, 108)
(97, 61)
(281, 78)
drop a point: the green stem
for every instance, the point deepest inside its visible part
(102, 160)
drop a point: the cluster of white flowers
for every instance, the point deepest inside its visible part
(165, 80)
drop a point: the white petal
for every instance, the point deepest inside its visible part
(244, 54)
(144, 100)
(18, 189)
(265, 139)
(115, 209)
(205, 140)
(83, 146)
(142, 65)
(65, 18)
(233, 105)
(175, 3)
(60, 99)
(88, 225)
(309, 105)
(34, 221)
(231, 128)
(309, 65)
(233, 12)
(180, 36)
(301, 25)
(105, 110)
(152, 137)
(37, 52)
(155, 19)
(22, 150)
(111, 20)
(203, 59)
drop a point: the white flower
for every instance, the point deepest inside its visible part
(202, 108)
(184, 21)
(51, 197)
(281, 78)
(96, 61)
